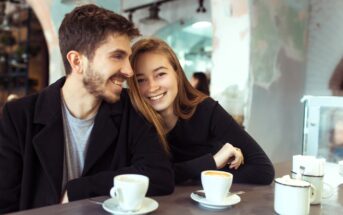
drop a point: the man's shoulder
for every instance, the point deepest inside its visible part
(44, 102)
(22, 104)
(20, 111)
(51, 92)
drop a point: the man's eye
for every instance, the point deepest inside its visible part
(118, 57)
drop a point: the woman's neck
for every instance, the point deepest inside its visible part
(169, 120)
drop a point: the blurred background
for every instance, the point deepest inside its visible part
(260, 56)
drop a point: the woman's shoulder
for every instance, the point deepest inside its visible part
(207, 104)
(210, 107)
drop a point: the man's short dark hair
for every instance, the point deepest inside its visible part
(87, 26)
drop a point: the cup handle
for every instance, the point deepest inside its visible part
(313, 193)
(115, 192)
(328, 192)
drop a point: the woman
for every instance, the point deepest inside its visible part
(200, 133)
(336, 136)
(200, 82)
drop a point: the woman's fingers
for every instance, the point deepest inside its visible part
(229, 155)
(235, 163)
(240, 155)
(237, 159)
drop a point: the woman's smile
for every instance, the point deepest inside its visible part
(157, 97)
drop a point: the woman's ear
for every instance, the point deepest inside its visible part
(75, 61)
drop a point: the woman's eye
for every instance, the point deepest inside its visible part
(161, 74)
(140, 80)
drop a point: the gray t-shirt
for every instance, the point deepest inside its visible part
(76, 134)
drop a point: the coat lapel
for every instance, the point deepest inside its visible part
(49, 145)
(48, 141)
(104, 134)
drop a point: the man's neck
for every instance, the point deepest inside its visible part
(80, 103)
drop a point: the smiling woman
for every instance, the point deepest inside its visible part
(200, 133)
(158, 83)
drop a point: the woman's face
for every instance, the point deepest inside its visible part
(194, 82)
(157, 81)
(338, 133)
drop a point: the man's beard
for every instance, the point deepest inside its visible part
(95, 85)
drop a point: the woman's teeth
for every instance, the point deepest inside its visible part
(156, 97)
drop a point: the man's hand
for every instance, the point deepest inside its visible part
(65, 198)
(228, 155)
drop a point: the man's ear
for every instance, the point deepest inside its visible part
(75, 61)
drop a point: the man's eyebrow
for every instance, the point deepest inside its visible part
(118, 51)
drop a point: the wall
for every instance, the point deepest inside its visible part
(278, 69)
(231, 48)
(325, 45)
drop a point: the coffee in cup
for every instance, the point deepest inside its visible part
(216, 184)
(130, 191)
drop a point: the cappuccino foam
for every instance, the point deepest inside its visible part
(213, 173)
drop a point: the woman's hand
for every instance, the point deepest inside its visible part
(228, 155)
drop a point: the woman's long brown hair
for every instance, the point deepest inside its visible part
(186, 99)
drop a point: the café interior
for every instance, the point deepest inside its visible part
(275, 66)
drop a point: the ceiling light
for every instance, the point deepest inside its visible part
(153, 17)
(153, 22)
(201, 8)
(202, 24)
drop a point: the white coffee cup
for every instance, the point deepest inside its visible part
(130, 191)
(293, 196)
(216, 184)
(317, 182)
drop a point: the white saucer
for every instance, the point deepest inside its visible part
(227, 202)
(111, 205)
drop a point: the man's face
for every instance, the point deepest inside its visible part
(105, 74)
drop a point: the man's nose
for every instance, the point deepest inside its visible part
(127, 69)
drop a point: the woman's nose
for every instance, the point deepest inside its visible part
(153, 86)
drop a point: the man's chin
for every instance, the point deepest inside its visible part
(111, 98)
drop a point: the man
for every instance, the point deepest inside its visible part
(69, 141)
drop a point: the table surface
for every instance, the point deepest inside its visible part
(255, 200)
